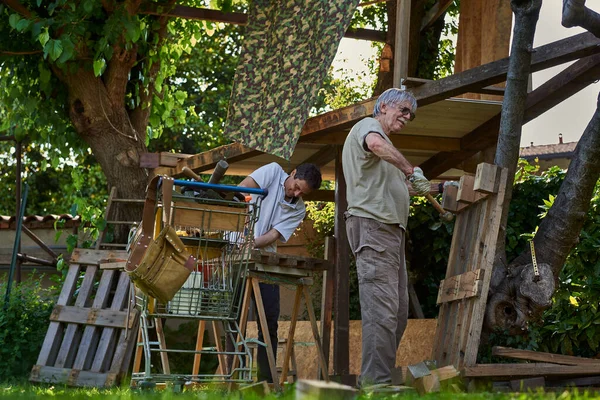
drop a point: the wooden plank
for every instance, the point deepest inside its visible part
(327, 300)
(72, 377)
(466, 194)
(91, 316)
(89, 340)
(401, 41)
(54, 334)
(279, 271)
(113, 265)
(528, 370)
(542, 357)
(461, 286)
(97, 257)
(72, 334)
(414, 82)
(208, 216)
(107, 343)
(486, 178)
(492, 225)
(445, 373)
(434, 13)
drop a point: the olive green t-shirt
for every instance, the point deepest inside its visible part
(375, 188)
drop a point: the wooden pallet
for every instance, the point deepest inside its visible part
(462, 296)
(92, 333)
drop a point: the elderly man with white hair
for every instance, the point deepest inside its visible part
(378, 178)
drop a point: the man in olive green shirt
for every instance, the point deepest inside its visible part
(377, 177)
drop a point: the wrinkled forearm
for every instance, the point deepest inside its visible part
(389, 153)
(266, 239)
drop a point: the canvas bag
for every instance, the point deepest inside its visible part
(158, 267)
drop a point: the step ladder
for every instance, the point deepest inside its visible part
(113, 206)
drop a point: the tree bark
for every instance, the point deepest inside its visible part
(507, 152)
(102, 121)
(517, 296)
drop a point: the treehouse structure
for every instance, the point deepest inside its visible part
(456, 129)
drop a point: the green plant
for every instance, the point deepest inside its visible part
(23, 324)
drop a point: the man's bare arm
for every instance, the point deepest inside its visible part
(266, 239)
(388, 152)
(249, 183)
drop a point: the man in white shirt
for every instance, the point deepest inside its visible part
(282, 210)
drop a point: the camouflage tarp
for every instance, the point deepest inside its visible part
(288, 48)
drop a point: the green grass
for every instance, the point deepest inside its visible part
(29, 391)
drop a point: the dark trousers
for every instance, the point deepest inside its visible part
(270, 297)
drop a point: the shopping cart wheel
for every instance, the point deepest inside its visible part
(147, 385)
(178, 386)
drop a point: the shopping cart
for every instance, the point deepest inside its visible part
(218, 232)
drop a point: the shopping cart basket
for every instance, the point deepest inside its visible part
(218, 232)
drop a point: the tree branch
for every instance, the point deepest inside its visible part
(575, 13)
(21, 53)
(18, 7)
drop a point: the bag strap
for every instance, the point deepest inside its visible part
(148, 221)
(145, 237)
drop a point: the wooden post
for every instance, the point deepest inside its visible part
(401, 46)
(341, 340)
(327, 300)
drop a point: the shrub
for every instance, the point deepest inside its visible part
(23, 324)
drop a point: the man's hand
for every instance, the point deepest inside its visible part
(419, 183)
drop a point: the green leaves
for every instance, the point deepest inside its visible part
(99, 66)
(53, 49)
(44, 37)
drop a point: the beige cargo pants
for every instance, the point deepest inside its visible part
(382, 281)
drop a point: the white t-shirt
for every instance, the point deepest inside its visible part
(275, 212)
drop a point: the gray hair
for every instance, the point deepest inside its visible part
(394, 96)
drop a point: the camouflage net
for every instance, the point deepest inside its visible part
(288, 48)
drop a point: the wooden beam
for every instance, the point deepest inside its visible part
(562, 86)
(341, 325)
(434, 13)
(524, 370)
(412, 142)
(322, 157)
(236, 18)
(541, 357)
(546, 56)
(414, 82)
(208, 159)
(401, 38)
(320, 195)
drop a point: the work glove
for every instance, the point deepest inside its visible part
(419, 183)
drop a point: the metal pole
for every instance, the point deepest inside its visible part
(19, 148)
(13, 262)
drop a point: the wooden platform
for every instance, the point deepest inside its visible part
(91, 335)
(463, 293)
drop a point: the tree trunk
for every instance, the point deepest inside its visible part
(103, 122)
(517, 295)
(507, 152)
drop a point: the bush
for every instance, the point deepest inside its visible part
(23, 324)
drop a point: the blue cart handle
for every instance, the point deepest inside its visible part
(220, 188)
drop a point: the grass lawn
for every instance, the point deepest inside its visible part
(27, 391)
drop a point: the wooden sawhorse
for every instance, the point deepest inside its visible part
(275, 268)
